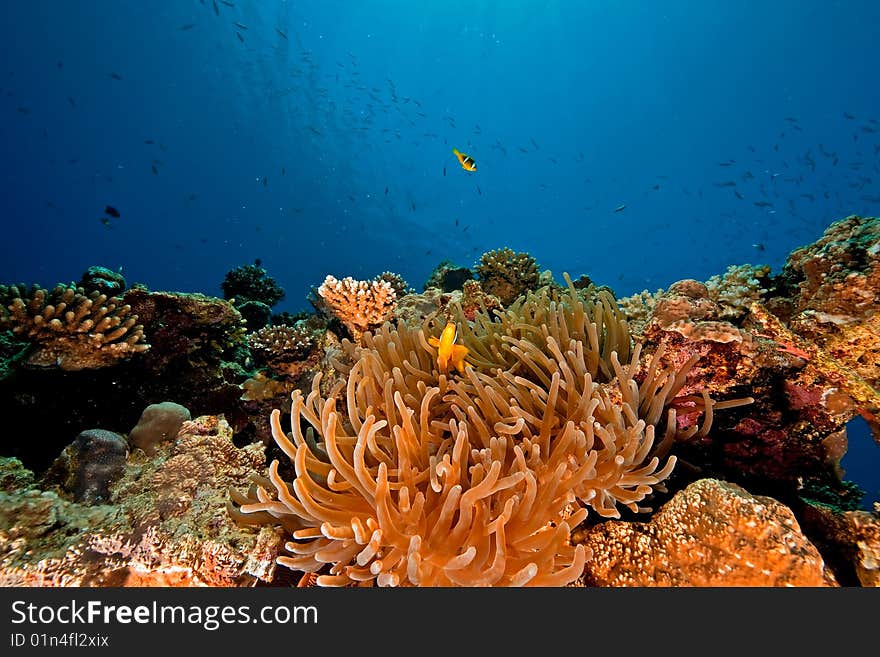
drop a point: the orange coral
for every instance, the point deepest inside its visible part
(359, 305)
(710, 534)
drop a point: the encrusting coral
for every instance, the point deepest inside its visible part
(70, 329)
(429, 480)
(359, 305)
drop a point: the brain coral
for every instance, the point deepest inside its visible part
(473, 480)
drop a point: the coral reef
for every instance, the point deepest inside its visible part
(508, 275)
(70, 329)
(539, 460)
(195, 359)
(710, 534)
(359, 305)
(431, 480)
(164, 524)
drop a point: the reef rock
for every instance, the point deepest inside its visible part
(165, 523)
(712, 533)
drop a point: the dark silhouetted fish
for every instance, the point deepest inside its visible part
(115, 76)
(240, 26)
(155, 170)
(188, 26)
(849, 116)
(113, 212)
(620, 208)
(281, 34)
(240, 38)
(71, 101)
(738, 195)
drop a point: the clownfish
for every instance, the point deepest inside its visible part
(449, 353)
(466, 161)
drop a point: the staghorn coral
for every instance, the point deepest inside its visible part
(508, 275)
(359, 305)
(72, 330)
(474, 480)
(712, 533)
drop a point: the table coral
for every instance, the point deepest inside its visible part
(710, 534)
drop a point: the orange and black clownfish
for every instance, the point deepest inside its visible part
(449, 354)
(466, 161)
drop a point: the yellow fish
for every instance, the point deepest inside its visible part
(449, 353)
(466, 161)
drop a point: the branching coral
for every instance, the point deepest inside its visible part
(359, 305)
(281, 347)
(72, 330)
(427, 479)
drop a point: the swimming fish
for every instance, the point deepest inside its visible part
(466, 161)
(449, 353)
(113, 212)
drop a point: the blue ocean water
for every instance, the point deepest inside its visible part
(316, 136)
